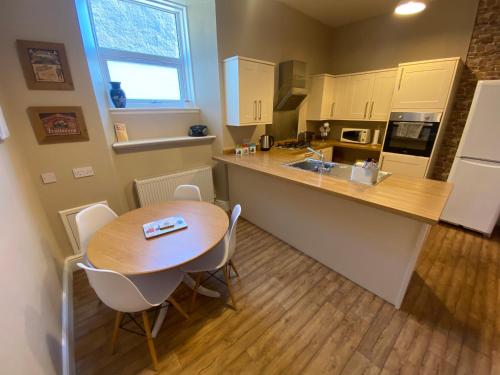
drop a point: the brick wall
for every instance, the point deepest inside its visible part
(482, 63)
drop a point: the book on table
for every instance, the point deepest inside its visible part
(162, 226)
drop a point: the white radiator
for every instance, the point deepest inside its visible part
(161, 188)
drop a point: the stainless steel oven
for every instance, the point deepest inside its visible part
(412, 133)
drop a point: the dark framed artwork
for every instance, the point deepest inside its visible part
(58, 124)
(45, 65)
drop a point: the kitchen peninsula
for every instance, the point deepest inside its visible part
(369, 234)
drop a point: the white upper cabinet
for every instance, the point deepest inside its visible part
(341, 92)
(360, 96)
(424, 85)
(320, 97)
(249, 89)
(383, 89)
(363, 96)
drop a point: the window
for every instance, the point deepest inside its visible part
(144, 45)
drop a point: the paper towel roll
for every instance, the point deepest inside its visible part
(4, 131)
(376, 136)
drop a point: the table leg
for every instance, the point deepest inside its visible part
(188, 280)
(159, 321)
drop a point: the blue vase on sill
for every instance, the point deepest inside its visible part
(117, 95)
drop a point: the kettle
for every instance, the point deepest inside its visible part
(266, 142)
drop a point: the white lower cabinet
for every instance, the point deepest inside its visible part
(408, 165)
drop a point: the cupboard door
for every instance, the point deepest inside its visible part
(424, 86)
(407, 165)
(265, 94)
(383, 89)
(248, 75)
(361, 88)
(319, 102)
(340, 98)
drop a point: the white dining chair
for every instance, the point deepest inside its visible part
(187, 193)
(220, 257)
(127, 295)
(90, 220)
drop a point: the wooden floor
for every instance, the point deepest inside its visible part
(298, 317)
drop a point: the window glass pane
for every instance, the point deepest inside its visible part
(133, 27)
(144, 81)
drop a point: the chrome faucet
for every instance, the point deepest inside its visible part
(319, 153)
(321, 156)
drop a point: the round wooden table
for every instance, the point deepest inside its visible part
(121, 246)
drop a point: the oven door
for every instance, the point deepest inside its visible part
(411, 137)
(351, 136)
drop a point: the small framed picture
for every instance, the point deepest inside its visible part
(58, 124)
(45, 65)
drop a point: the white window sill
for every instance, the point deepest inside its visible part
(154, 143)
(152, 110)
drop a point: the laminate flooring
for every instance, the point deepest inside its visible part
(296, 316)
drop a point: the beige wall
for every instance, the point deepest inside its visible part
(442, 30)
(30, 263)
(270, 31)
(55, 21)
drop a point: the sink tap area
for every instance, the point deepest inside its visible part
(336, 170)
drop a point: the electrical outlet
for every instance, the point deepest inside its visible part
(83, 172)
(48, 177)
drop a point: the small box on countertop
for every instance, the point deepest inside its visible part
(364, 175)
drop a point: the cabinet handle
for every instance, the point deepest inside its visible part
(255, 109)
(371, 109)
(400, 79)
(260, 109)
(331, 109)
(366, 108)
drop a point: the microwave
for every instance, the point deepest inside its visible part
(356, 135)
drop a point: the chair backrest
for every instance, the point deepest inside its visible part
(230, 239)
(187, 193)
(90, 220)
(115, 290)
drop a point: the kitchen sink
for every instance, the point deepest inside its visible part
(336, 170)
(311, 165)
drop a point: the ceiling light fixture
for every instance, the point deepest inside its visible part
(407, 7)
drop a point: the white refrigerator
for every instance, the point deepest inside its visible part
(475, 199)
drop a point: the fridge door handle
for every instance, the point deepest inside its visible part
(481, 162)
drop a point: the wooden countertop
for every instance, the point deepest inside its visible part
(414, 197)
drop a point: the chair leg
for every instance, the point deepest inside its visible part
(116, 331)
(178, 307)
(195, 291)
(151, 345)
(231, 264)
(226, 278)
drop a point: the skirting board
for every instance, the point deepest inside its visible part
(67, 339)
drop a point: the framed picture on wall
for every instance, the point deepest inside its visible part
(58, 124)
(45, 65)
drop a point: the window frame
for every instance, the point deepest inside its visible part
(182, 63)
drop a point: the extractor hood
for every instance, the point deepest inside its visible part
(292, 85)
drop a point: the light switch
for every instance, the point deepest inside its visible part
(83, 172)
(48, 177)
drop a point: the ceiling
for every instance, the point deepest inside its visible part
(336, 13)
